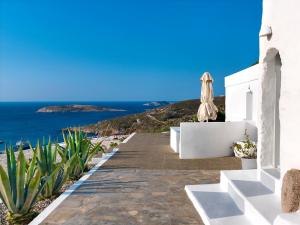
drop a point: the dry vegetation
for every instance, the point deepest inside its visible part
(156, 120)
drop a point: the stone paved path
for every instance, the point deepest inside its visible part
(142, 184)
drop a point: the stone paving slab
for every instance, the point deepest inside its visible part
(142, 184)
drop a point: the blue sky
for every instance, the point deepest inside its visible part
(111, 50)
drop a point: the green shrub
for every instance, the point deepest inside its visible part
(79, 149)
(113, 144)
(194, 118)
(57, 172)
(221, 116)
(20, 186)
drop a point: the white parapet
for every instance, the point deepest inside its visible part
(213, 139)
(175, 138)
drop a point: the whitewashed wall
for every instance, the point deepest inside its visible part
(241, 91)
(284, 19)
(175, 138)
(214, 139)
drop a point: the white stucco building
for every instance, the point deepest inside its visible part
(197, 140)
(268, 94)
(241, 91)
(279, 85)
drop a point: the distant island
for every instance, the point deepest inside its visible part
(158, 103)
(77, 108)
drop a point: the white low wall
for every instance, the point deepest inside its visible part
(175, 138)
(213, 139)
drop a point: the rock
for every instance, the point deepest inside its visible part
(290, 193)
(133, 212)
(156, 104)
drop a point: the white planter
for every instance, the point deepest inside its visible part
(248, 164)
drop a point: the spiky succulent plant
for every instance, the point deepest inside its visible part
(20, 186)
(49, 165)
(80, 149)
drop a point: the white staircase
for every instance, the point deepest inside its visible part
(243, 197)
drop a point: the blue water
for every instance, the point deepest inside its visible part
(21, 121)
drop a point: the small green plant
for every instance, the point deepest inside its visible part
(113, 144)
(57, 172)
(194, 118)
(20, 186)
(80, 150)
(221, 116)
(246, 148)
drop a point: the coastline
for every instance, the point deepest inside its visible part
(20, 121)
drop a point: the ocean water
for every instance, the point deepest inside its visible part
(21, 121)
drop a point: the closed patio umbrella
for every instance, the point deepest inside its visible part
(207, 110)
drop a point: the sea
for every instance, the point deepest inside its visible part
(21, 121)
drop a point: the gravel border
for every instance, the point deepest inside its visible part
(38, 207)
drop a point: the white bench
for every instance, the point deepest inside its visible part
(175, 138)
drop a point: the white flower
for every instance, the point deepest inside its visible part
(245, 149)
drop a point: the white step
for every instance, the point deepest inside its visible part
(288, 219)
(271, 179)
(267, 205)
(215, 205)
(241, 195)
(251, 195)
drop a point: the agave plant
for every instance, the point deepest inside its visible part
(20, 186)
(57, 172)
(80, 150)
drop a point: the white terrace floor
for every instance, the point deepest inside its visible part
(142, 184)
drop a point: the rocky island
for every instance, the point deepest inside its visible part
(77, 108)
(154, 120)
(156, 104)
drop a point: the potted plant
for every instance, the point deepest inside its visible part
(246, 150)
